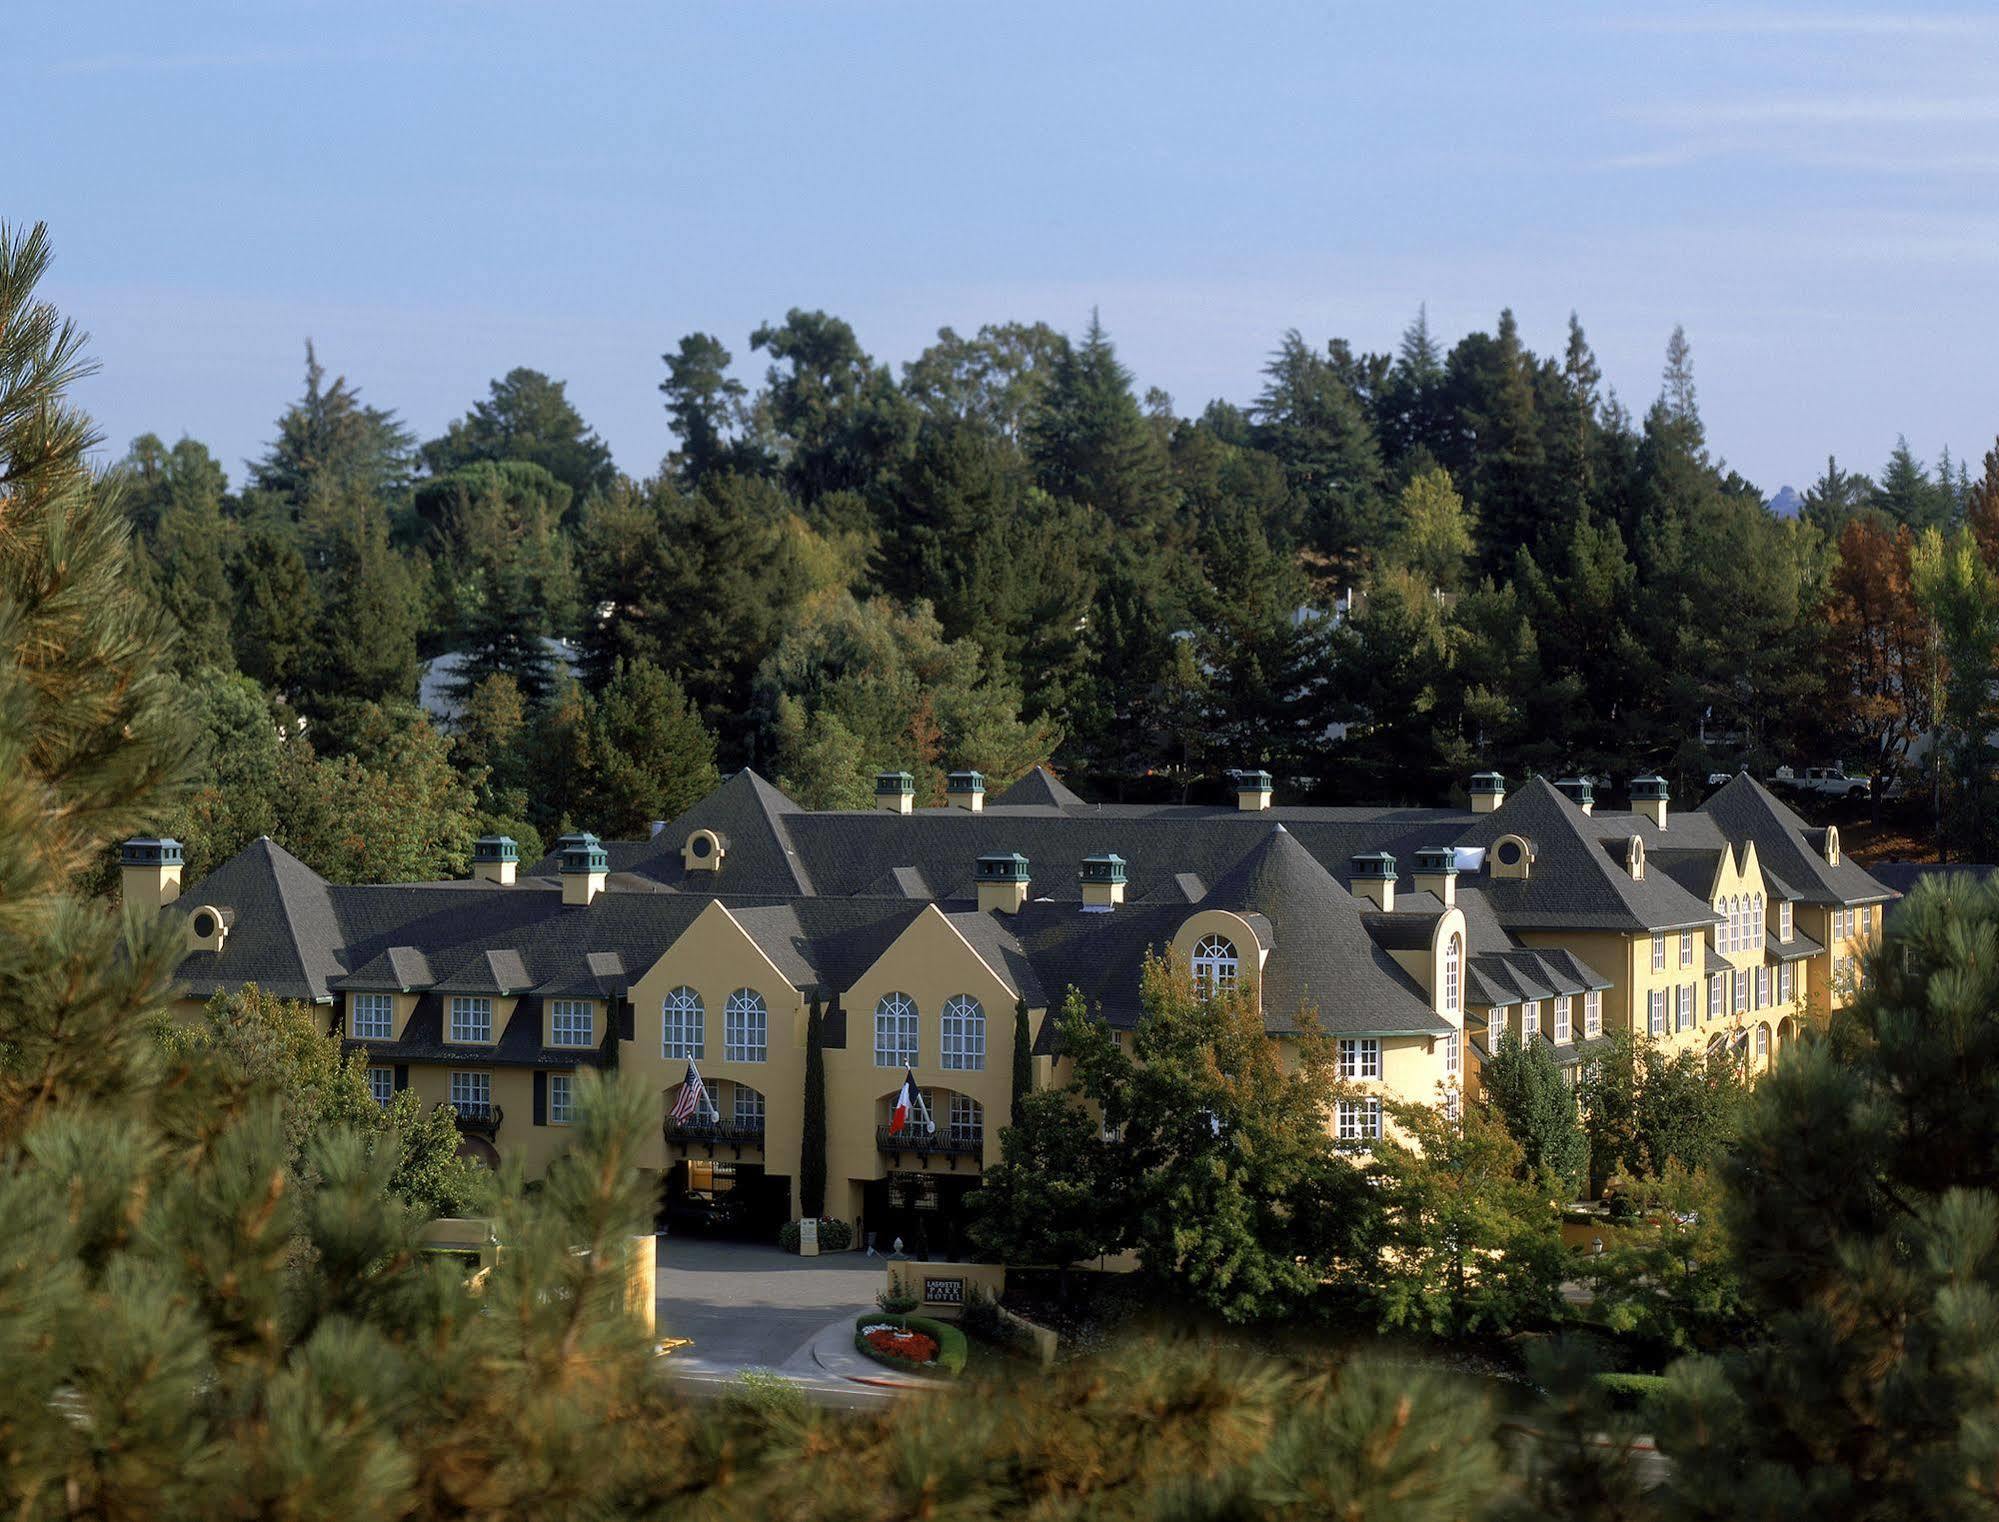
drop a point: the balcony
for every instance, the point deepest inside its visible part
(712, 1134)
(478, 1120)
(915, 1143)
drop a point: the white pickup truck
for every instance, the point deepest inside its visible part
(1826, 781)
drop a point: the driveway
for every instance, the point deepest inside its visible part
(750, 1305)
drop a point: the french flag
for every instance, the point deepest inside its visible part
(906, 1104)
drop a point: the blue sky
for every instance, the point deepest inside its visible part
(436, 192)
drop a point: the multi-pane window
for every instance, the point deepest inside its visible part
(1453, 1053)
(1756, 924)
(1785, 920)
(1686, 948)
(895, 1032)
(1658, 953)
(373, 1016)
(749, 1109)
(1714, 996)
(745, 1027)
(1530, 1019)
(1453, 1105)
(382, 1084)
(1359, 1120)
(968, 1119)
(963, 1034)
(1454, 957)
(1360, 1057)
(1593, 1014)
(471, 1018)
(682, 1021)
(1656, 1012)
(1215, 964)
(1725, 932)
(471, 1092)
(1763, 1044)
(1784, 984)
(561, 1087)
(1497, 1021)
(1683, 1007)
(1762, 987)
(571, 1022)
(1742, 989)
(1564, 1018)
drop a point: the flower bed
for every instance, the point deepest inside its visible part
(915, 1343)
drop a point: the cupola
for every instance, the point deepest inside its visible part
(584, 867)
(1252, 791)
(965, 790)
(1488, 792)
(895, 792)
(1437, 872)
(1103, 879)
(149, 869)
(1374, 878)
(1648, 797)
(1002, 882)
(495, 859)
(1579, 791)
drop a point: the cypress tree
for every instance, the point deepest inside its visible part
(1023, 1060)
(812, 1149)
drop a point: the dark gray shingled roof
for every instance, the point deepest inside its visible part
(286, 946)
(1038, 789)
(1785, 844)
(1574, 883)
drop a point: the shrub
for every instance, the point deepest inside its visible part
(896, 1302)
(1630, 1392)
(952, 1350)
(835, 1235)
(766, 1393)
(983, 1319)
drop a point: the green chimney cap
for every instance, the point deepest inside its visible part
(1252, 782)
(150, 851)
(583, 853)
(1375, 865)
(1650, 789)
(1578, 790)
(1010, 868)
(495, 848)
(1437, 861)
(965, 782)
(1106, 868)
(888, 784)
(1488, 782)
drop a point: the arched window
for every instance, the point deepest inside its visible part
(1763, 1044)
(1735, 917)
(1756, 920)
(964, 1034)
(895, 1032)
(1454, 957)
(1215, 964)
(745, 1027)
(681, 1026)
(1721, 929)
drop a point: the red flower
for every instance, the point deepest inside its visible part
(897, 1342)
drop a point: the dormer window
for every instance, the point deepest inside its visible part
(1512, 857)
(373, 1016)
(1215, 964)
(1634, 859)
(1454, 957)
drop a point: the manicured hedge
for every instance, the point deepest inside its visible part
(952, 1349)
(1631, 1392)
(835, 1235)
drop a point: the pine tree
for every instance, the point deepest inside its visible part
(277, 612)
(649, 756)
(1310, 419)
(527, 417)
(330, 446)
(1091, 444)
(709, 410)
(812, 1144)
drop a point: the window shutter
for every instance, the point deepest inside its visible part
(540, 1098)
(402, 1076)
(628, 1020)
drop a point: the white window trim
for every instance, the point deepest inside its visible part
(382, 1084)
(745, 1027)
(479, 1085)
(385, 1009)
(561, 1009)
(1592, 1014)
(898, 1031)
(564, 1085)
(1530, 1020)
(1360, 1057)
(1565, 1023)
(677, 1016)
(1215, 964)
(962, 1035)
(1655, 1012)
(470, 1004)
(758, 1112)
(965, 1119)
(1659, 952)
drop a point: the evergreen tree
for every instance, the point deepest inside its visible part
(330, 446)
(812, 1143)
(995, 379)
(1908, 495)
(1538, 1110)
(528, 417)
(1833, 499)
(367, 643)
(649, 756)
(1310, 419)
(1500, 462)
(277, 612)
(1045, 1201)
(1959, 592)
(709, 410)
(1091, 444)
(839, 418)
(1433, 539)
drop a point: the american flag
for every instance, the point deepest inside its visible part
(693, 1097)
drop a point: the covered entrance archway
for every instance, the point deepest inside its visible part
(711, 1197)
(925, 1209)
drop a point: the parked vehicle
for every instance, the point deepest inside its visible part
(1826, 781)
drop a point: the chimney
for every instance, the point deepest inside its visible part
(1374, 879)
(1648, 797)
(1488, 792)
(1252, 791)
(1103, 881)
(1437, 872)
(495, 858)
(1002, 883)
(149, 872)
(965, 790)
(1579, 791)
(584, 868)
(895, 792)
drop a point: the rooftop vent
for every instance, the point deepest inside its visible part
(495, 859)
(149, 869)
(966, 790)
(895, 792)
(584, 867)
(1579, 791)
(1648, 797)
(1437, 873)
(1103, 879)
(1374, 878)
(1252, 791)
(1488, 792)
(1003, 882)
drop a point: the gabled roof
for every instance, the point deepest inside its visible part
(400, 969)
(1744, 807)
(488, 972)
(754, 819)
(1574, 884)
(282, 931)
(1040, 788)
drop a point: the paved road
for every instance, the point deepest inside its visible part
(751, 1306)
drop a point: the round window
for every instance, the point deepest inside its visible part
(701, 845)
(1509, 853)
(204, 925)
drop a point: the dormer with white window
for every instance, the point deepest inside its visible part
(1512, 858)
(704, 851)
(1634, 859)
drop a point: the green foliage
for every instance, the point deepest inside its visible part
(528, 418)
(1644, 1111)
(1959, 591)
(812, 1140)
(1670, 1276)
(330, 447)
(1539, 1111)
(1469, 1245)
(1434, 537)
(1043, 1202)
(1023, 1062)
(835, 1235)
(768, 1396)
(646, 756)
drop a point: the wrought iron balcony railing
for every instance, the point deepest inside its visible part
(484, 1119)
(915, 1142)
